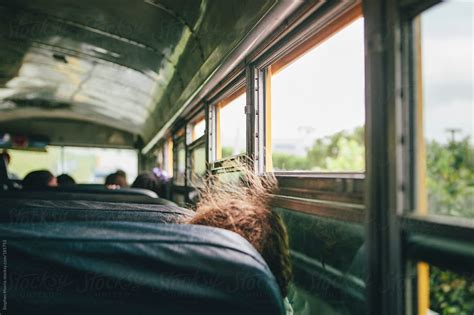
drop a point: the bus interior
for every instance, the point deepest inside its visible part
(361, 110)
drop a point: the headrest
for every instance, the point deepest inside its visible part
(59, 195)
(96, 189)
(33, 210)
(101, 189)
(134, 268)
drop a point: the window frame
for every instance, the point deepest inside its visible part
(402, 240)
(305, 36)
(285, 57)
(222, 98)
(425, 234)
(194, 143)
(179, 138)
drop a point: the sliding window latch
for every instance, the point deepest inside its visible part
(247, 109)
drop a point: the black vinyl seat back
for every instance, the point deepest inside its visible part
(101, 189)
(37, 210)
(96, 196)
(134, 268)
(96, 189)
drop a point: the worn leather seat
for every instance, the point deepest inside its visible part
(101, 189)
(38, 210)
(134, 268)
(96, 196)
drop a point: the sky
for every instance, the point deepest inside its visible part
(322, 92)
(447, 54)
(232, 118)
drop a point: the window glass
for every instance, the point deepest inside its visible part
(159, 154)
(448, 110)
(232, 122)
(181, 164)
(230, 177)
(317, 106)
(328, 262)
(198, 129)
(198, 165)
(449, 292)
(85, 165)
(23, 162)
(180, 199)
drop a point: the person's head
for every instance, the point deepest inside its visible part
(65, 180)
(39, 180)
(148, 181)
(244, 209)
(121, 173)
(116, 180)
(6, 157)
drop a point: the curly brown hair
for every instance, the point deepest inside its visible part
(244, 209)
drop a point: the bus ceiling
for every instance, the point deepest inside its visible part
(118, 68)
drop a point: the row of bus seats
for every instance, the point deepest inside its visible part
(119, 252)
(9, 184)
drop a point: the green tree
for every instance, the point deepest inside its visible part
(342, 151)
(450, 184)
(283, 161)
(227, 151)
(350, 156)
(451, 293)
(339, 152)
(450, 178)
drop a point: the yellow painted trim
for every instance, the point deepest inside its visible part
(268, 122)
(181, 132)
(169, 147)
(232, 97)
(421, 193)
(218, 132)
(423, 273)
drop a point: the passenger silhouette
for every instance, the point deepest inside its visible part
(38, 180)
(151, 182)
(6, 157)
(116, 180)
(65, 180)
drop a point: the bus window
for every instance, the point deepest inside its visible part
(317, 105)
(85, 165)
(446, 291)
(196, 146)
(168, 156)
(198, 129)
(197, 164)
(231, 125)
(447, 101)
(443, 118)
(23, 162)
(180, 168)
